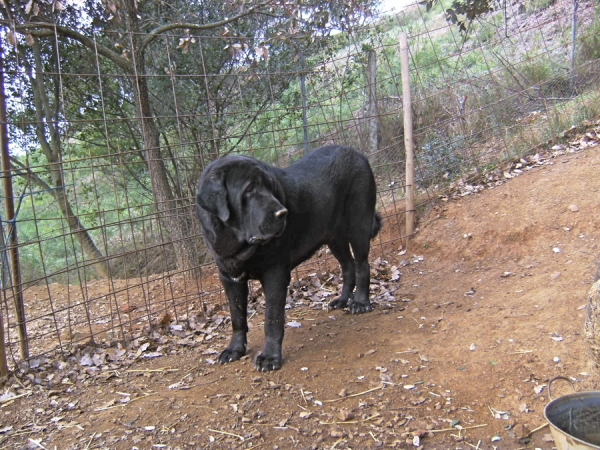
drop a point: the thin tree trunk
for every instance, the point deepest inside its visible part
(53, 152)
(176, 219)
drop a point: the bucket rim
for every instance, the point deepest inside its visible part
(567, 397)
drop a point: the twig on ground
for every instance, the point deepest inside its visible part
(337, 442)
(5, 400)
(541, 427)
(338, 423)
(162, 369)
(353, 395)
(241, 438)
(303, 397)
(125, 404)
(90, 441)
(454, 429)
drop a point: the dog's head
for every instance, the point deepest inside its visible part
(240, 203)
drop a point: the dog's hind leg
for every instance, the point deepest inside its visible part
(340, 248)
(360, 241)
(237, 294)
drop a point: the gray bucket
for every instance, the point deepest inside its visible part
(574, 419)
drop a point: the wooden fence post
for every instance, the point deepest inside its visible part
(573, 45)
(373, 118)
(304, 108)
(408, 138)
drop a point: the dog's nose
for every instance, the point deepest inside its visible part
(281, 213)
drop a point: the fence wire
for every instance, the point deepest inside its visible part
(105, 162)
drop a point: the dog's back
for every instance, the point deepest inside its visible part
(331, 195)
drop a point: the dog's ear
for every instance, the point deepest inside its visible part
(212, 196)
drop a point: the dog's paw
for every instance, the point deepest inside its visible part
(267, 363)
(230, 354)
(359, 308)
(340, 303)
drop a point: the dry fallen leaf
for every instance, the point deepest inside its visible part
(547, 437)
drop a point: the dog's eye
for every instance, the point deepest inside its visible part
(249, 190)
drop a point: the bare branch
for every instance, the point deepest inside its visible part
(194, 26)
(43, 29)
(28, 174)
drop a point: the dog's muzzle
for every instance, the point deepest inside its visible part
(258, 240)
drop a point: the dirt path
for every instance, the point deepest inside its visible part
(488, 309)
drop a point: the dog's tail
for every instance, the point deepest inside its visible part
(377, 224)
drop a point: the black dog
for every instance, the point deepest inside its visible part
(260, 222)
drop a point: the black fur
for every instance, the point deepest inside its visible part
(260, 222)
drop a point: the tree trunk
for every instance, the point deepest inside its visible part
(175, 218)
(53, 152)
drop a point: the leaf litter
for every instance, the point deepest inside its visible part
(89, 367)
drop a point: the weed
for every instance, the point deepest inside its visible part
(441, 159)
(589, 44)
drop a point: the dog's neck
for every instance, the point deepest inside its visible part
(233, 266)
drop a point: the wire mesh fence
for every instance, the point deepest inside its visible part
(106, 152)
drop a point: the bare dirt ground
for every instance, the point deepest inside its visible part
(489, 307)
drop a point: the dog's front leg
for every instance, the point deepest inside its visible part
(237, 294)
(275, 283)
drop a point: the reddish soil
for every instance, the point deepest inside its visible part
(491, 312)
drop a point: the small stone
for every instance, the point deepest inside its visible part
(555, 276)
(573, 208)
(345, 415)
(556, 359)
(520, 431)
(523, 407)
(473, 347)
